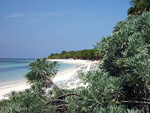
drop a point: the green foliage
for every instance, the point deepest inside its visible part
(26, 101)
(139, 6)
(126, 59)
(102, 95)
(41, 67)
(82, 54)
(101, 46)
(41, 71)
(127, 55)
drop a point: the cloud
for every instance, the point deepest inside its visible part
(33, 15)
(47, 14)
(16, 15)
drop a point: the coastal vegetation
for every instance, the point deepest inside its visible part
(121, 84)
(41, 71)
(139, 6)
(89, 54)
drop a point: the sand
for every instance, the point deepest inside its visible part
(65, 75)
(4, 90)
(71, 61)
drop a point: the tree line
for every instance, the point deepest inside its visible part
(89, 54)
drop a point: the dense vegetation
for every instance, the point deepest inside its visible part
(41, 71)
(120, 85)
(139, 6)
(88, 54)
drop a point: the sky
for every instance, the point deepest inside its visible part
(37, 28)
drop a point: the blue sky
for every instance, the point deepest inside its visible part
(37, 28)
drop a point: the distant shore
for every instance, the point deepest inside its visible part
(59, 77)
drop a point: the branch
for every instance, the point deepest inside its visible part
(63, 105)
(147, 99)
(65, 95)
(136, 102)
(53, 101)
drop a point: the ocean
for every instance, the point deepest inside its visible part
(12, 70)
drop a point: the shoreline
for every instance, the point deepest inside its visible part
(71, 61)
(64, 75)
(12, 83)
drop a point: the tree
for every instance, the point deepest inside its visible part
(88, 54)
(63, 52)
(139, 6)
(42, 71)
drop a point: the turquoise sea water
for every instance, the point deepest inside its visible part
(12, 70)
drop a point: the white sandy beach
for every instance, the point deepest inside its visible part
(65, 75)
(71, 61)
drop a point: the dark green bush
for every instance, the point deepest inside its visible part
(87, 54)
(102, 95)
(127, 56)
(26, 101)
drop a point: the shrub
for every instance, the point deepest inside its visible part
(41, 71)
(127, 56)
(26, 101)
